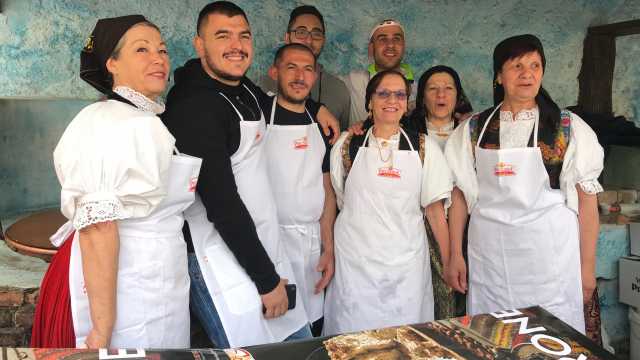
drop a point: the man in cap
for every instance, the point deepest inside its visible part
(386, 49)
(306, 26)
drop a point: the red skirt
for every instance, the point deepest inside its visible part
(53, 323)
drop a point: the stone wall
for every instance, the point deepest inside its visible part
(17, 307)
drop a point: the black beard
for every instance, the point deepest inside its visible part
(283, 94)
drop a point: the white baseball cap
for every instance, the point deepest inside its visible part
(383, 24)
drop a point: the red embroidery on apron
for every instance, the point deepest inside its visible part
(192, 184)
(301, 144)
(389, 172)
(504, 169)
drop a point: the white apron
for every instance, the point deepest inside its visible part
(153, 280)
(523, 240)
(294, 155)
(235, 296)
(383, 275)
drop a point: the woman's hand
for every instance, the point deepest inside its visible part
(356, 128)
(329, 123)
(455, 273)
(97, 340)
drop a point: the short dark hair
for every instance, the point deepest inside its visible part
(219, 7)
(304, 10)
(375, 81)
(292, 46)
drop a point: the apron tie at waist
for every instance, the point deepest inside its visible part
(300, 228)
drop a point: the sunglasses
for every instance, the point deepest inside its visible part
(401, 95)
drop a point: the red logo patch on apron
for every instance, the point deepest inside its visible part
(301, 144)
(504, 169)
(192, 184)
(389, 172)
(257, 137)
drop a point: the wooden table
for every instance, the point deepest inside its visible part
(30, 235)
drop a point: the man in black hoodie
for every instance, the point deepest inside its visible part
(212, 111)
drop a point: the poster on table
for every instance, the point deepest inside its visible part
(531, 334)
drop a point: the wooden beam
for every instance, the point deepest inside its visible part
(617, 29)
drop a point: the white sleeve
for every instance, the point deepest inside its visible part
(459, 154)
(112, 167)
(582, 164)
(436, 176)
(337, 169)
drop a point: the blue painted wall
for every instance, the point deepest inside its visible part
(40, 41)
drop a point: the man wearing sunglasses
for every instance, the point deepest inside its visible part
(386, 49)
(306, 26)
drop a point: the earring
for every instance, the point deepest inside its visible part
(370, 114)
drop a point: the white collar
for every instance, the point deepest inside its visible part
(522, 115)
(140, 101)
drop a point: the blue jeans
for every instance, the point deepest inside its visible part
(204, 309)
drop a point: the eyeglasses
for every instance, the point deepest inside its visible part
(386, 94)
(302, 33)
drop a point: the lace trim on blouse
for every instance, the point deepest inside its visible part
(590, 187)
(139, 100)
(515, 132)
(93, 212)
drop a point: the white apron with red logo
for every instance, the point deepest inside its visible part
(153, 281)
(235, 296)
(383, 275)
(294, 155)
(524, 245)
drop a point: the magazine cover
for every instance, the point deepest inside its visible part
(530, 334)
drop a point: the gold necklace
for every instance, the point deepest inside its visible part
(389, 158)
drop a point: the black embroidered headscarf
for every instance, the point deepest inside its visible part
(99, 47)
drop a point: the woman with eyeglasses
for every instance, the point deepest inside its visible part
(385, 182)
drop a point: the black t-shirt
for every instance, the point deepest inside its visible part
(287, 117)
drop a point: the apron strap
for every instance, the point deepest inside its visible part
(309, 114)
(484, 127)
(233, 106)
(273, 110)
(407, 138)
(254, 98)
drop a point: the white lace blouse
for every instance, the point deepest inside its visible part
(583, 160)
(112, 161)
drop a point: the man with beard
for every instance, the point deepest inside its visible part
(386, 49)
(237, 265)
(298, 162)
(306, 26)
